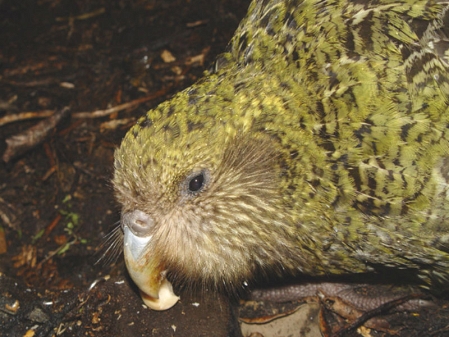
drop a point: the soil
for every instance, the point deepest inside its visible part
(56, 200)
(100, 65)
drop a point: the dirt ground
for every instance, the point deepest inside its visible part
(100, 65)
(56, 201)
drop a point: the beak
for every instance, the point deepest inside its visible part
(147, 272)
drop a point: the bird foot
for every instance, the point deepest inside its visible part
(348, 306)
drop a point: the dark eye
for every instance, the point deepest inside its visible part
(196, 183)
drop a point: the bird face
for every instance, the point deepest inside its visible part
(196, 204)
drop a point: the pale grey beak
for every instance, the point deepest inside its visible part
(144, 267)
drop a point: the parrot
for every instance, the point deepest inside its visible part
(317, 144)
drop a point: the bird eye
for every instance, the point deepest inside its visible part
(196, 183)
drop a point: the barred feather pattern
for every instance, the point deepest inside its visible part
(343, 106)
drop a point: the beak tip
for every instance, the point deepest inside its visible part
(166, 297)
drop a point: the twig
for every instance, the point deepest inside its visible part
(92, 114)
(102, 113)
(84, 16)
(52, 225)
(372, 313)
(25, 115)
(22, 142)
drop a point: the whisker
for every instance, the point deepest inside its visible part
(111, 247)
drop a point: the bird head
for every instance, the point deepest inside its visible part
(199, 195)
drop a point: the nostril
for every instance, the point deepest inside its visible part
(140, 223)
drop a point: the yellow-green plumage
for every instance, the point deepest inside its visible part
(322, 137)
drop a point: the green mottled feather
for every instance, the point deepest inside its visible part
(324, 128)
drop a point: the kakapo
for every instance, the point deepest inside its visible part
(317, 145)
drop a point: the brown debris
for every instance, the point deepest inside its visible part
(52, 225)
(22, 142)
(25, 116)
(3, 244)
(8, 214)
(26, 258)
(13, 307)
(124, 106)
